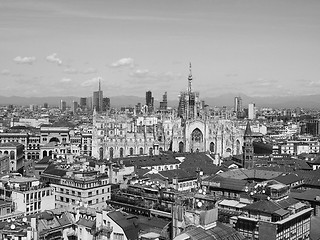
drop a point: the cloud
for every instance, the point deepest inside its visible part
(144, 75)
(311, 83)
(90, 82)
(5, 72)
(65, 80)
(261, 82)
(24, 60)
(54, 59)
(123, 62)
(70, 71)
(140, 73)
(89, 71)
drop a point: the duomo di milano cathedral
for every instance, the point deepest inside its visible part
(189, 129)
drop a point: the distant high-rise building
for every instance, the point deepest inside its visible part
(106, 104)
(83, 103)
(33, 107)
(149, 101)
(238, 105)
(164, 103)
(45, 105)
(251, 111)
(89, 103)
(97, 99)
(74, 106)
(63, 106)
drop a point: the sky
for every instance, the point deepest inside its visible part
(252, 47)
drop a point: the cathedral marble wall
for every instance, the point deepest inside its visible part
(127, 137)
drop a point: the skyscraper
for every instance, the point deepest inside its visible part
(251, 111)
(97, 99)
(164, 103)
(74, 107)
(105, 104)
(89, 103)
(83, 103)
(237, 104)
(63, 105)
(149, 101)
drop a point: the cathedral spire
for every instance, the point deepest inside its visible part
(190, 79)
(248, 132)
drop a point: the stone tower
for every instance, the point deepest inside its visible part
(248, 154)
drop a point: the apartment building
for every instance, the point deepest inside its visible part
(78, 183)
(27, 194)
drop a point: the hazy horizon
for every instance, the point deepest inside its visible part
(256, 48)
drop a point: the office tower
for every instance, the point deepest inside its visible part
(74, 106)
(106, 104)
(149, 101)
(89, 103)
(164, 103)
(83, 103)
(45, 105)
(251, 111)
(97, 99)
(189, 103)
(237, 105)
(63, 106)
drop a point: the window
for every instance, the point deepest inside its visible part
(118, 236)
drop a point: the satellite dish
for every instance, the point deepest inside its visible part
(197, 200)
(199, 204)
(8, 220)
(204, 193)
(24, 219)
(12, 226)
(200, 190)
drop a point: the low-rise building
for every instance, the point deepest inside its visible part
(78, 182)
(28, 194)
(4, 164)
(15, 151)
(277, 217)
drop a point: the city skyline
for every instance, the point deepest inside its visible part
(252, 47)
